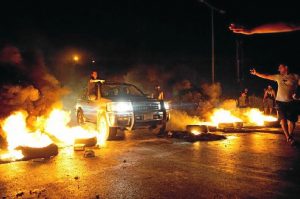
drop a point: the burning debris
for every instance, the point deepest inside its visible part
(227, 118)
(87, 142)
(221, 117)
(36, 153)
(24, 144)
(18, 135)
(256, 117)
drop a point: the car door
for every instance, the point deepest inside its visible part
(90, 110)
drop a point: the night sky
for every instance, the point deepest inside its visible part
(119, 34)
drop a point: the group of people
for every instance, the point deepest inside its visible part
(286, 104)
(268, 100)
(286, 101)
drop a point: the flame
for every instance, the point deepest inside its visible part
(195, 132)
(17, 134)
(56, 125)
(257, 117)
(223, 116)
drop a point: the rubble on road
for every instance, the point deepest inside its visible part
(89, 153)
(190, 137)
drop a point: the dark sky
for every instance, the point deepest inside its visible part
(121, 33)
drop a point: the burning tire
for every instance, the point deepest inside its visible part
(229, 125)
(106, 132)
(197, 128)
(88, 142)
(238, 125)
(33, 153)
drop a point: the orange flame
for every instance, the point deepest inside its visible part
(17, 134)
(56, 125)
(223, 116)
(255, 116)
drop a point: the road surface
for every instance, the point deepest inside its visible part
(245, 165)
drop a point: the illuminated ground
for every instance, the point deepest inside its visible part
(258, 165)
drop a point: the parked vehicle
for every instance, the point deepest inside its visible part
(120, 106)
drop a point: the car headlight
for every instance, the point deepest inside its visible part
(119, 107)
(166, 105)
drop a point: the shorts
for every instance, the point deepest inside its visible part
(268, 103)
(287, 110)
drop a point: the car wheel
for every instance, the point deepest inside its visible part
(80, 117)
(105, 132)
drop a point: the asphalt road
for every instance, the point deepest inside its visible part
(245, 165)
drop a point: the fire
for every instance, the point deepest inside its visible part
(56, 125)
(255, 116)
(17, 134)
(223, 116)
(195, 132)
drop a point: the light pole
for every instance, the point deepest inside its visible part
(213, 9)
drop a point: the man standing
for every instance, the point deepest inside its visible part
(158, 93)
(287, 86)
(269, 97)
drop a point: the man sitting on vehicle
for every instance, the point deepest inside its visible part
(92, 85)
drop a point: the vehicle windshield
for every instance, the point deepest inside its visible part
(120, 90)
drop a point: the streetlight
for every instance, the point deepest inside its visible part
(212, 8)
(75, 58)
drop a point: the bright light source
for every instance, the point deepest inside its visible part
(167, 105)
(120, 107)
(75, 58)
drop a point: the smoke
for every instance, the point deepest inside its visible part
(179, 120)
(26, 84)
(147, 77)
(192, 100)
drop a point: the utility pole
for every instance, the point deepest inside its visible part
(238, 61)
(213, 9)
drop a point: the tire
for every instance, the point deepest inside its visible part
(106, 132)
(80, 117)
(88, 142)
(44, 152)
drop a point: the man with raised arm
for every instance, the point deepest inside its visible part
(287, 86)
(279, 27)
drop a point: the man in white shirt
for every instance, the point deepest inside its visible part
(287, 87)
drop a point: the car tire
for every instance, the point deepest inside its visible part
(107, 133)
(80, 117)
